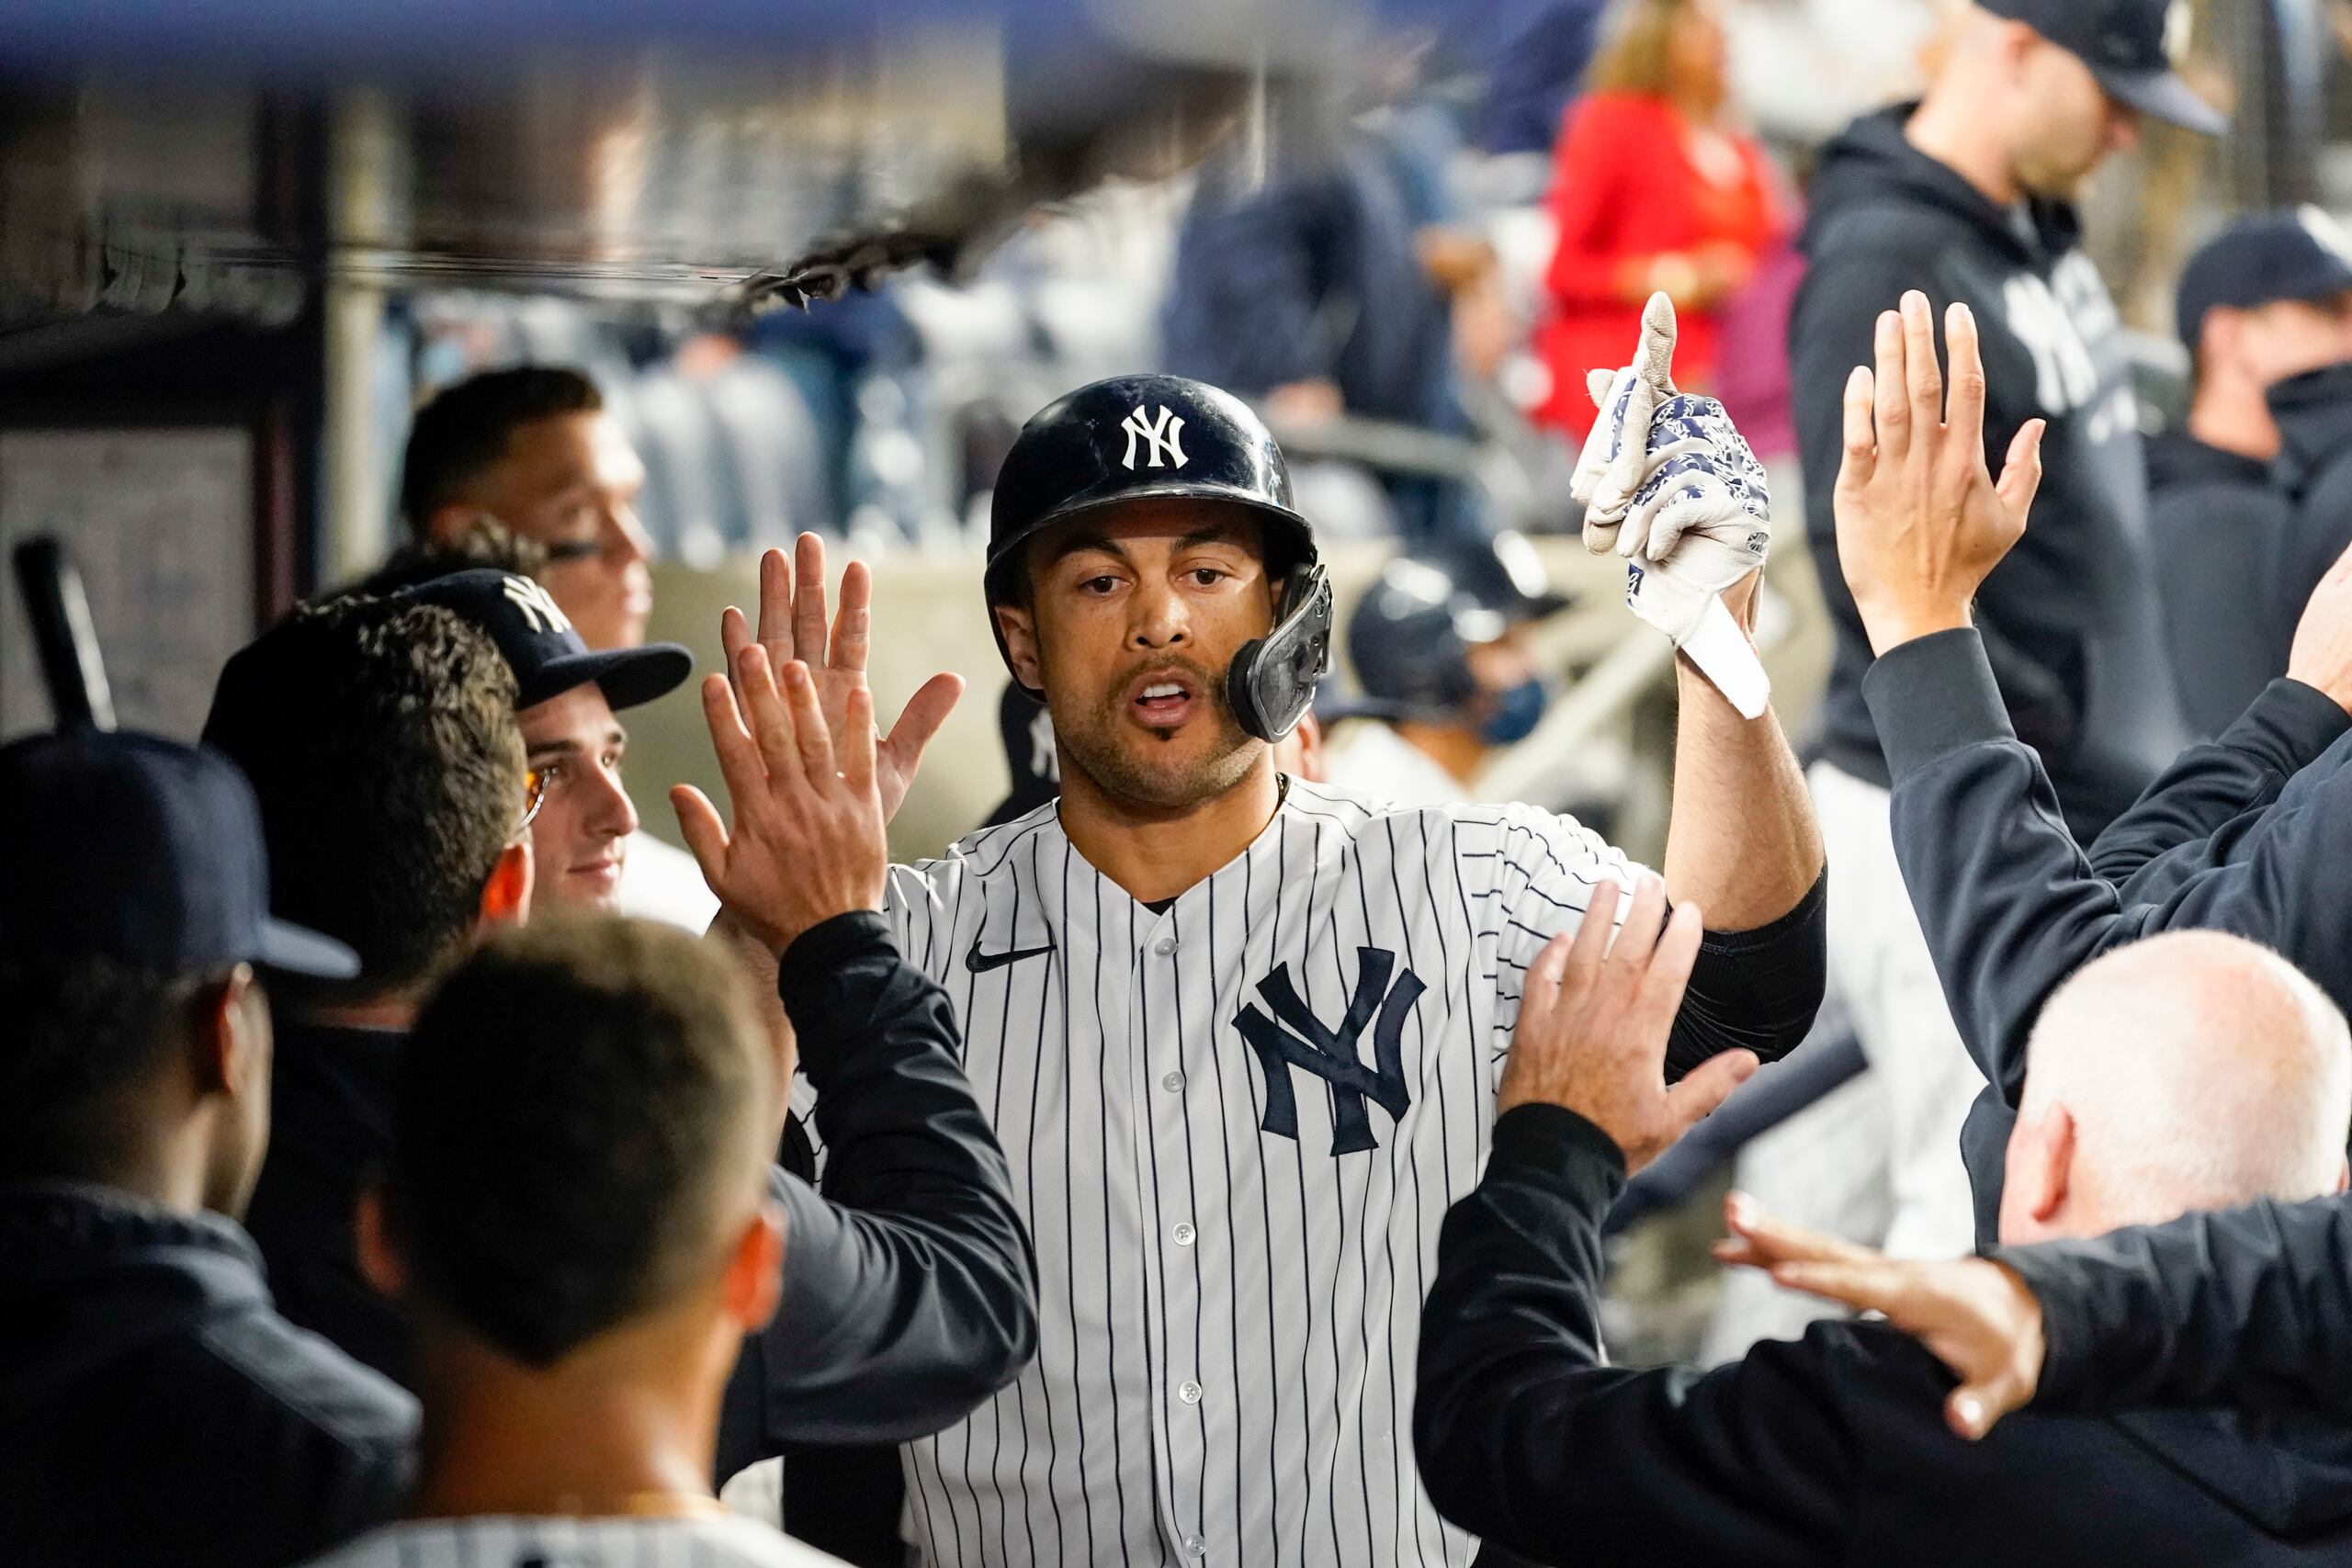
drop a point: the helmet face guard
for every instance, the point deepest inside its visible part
(1163, 438)
(1273, 681)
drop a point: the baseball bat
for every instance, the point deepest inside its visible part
(71, 667)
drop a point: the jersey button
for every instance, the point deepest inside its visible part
(1173, 1083)
(1195, 1547)
(1164, 946)
(1189, 1393)
(1185, 1233)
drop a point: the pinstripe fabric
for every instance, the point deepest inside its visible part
(1230, 1314)
(495, 1542)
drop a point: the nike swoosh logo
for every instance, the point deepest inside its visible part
(981, 963)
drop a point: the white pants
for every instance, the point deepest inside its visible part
(1827, 1168)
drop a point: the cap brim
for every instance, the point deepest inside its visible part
(629, 676)
(2161, 95)
(301, 951)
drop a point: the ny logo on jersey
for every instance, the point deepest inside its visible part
(537, 606)
(1294, 1037)
(1158, 435)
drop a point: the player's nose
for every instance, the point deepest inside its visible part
(612, 814)
(1157, 617)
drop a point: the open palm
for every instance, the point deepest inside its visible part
(793, 626)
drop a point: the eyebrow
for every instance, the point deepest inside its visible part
(1206, 534)
(615, 737)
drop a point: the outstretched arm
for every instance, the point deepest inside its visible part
(1525, 1435)
(912, 1283)
(2241, 1306)
(2010, 904)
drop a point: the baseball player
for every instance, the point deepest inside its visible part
(1440, 649)
(1239, 1033)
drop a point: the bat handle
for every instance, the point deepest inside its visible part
(65, 639)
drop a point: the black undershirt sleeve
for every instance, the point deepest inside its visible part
(1755, 988)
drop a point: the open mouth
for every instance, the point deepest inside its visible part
(1163, 700)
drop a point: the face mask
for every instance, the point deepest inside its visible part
(1516, 713)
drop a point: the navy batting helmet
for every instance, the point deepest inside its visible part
(1145, 437)
(1410, 635)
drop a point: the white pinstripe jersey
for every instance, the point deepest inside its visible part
(1234, 1128)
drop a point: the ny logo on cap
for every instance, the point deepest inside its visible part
(2180, 22)
(541, 610)
(1294, 1037)
(1160, 434)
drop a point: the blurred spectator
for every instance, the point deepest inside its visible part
(1657, 191)
(1534, 57)
(1441, 652)
(1802, 69)
(579, 1224)
(2189, 1072)
(152, 1408)
(1968, 196)
(2267, 301)
(1332, 291)
(533, 453)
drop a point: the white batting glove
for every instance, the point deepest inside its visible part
(1672, 485)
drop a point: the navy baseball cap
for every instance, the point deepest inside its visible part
(2129, 46)
(144, 850)
(2260, 261)
(540, 646)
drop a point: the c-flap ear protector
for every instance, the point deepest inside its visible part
(1273, 679)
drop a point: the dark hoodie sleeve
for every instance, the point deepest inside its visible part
(2009, 903)
(2179, 825)
(1529, 1439)
(2248, 1306)
(909, 1290)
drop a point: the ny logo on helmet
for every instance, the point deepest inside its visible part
(538, 607)
(1158, 435)
(1294, 1037)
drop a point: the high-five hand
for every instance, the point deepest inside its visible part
(1974, 1315)
(808, 842)
(1594, 1020)
(1670, 484)
(1921, 522)
(793, 625)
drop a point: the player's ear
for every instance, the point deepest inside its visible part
(373, 1244)
(754, 1278)
(1018, 623)
(506, 897)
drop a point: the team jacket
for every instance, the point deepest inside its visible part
(1831, 1450)
(2248, 834)
(2069, 618)
(1235, 1120)
(908, 1290)
(154, 1408)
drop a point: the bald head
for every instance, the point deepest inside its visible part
(2194, 1070)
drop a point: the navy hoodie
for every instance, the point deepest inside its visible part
(2069, 618)
(154, 1408)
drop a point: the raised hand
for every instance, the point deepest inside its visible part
(793, 625)
(1972, 1314)
(1921, 522)
(806, 843)
(1594, 1020)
